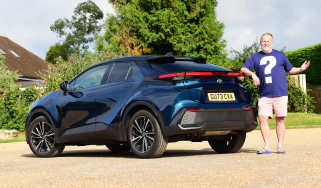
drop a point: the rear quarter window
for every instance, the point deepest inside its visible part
(120, 72)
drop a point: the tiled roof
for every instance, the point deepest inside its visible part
(21, 60)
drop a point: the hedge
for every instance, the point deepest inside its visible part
(312, 53)
(14, 106)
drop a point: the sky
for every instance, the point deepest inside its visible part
(294, 23)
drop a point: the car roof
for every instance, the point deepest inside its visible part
(132, 58)
(156, 59)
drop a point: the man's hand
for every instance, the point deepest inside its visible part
(256, 79)
(305, 66)
(249, 73)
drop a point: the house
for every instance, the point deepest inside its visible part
(25, 63)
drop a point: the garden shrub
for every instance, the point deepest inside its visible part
(312, 53)
(14, 103)
(14, 106)
(298, 100)
(66, 70)
(7, 78)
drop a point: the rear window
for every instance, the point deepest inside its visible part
(185, 66)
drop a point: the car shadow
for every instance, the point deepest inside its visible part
(168, 153)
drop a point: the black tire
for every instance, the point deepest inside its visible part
(41, 138)
(118, 148)
(231, 143)
(145, 135)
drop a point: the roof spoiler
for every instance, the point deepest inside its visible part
(172, 59)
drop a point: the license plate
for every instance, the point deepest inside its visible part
(221, 97)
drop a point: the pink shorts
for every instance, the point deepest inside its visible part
(278, 104)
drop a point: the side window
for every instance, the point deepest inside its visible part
(90, 78)
(119, 72)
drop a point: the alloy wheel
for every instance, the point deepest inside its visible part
(142, 134)
(42, 137)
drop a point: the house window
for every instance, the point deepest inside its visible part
(2, 52)
(14, 53)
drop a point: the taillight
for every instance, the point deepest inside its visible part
(184, 74)
(199, 74)
(194, 110)
(171, 75)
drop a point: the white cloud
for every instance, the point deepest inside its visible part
(294, 23)
(27, 22)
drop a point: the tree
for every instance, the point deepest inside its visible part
(56, 52)
(239, 57)
(78, 31)
(185, 27)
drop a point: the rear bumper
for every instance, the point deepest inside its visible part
(212, 120)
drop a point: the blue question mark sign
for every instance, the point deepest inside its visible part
(271, 61)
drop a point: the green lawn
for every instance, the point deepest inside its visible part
(299, 120)
(293, 120)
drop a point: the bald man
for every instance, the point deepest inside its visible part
(270, 66)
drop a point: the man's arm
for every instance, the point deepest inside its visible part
(303, 67)
(251, 74)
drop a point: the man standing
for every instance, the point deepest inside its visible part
(270, 66)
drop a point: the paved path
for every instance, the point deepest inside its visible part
(185, 164)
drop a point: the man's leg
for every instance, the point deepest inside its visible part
(265, 131)
(280, 131)
(280, 107)
(265, 111)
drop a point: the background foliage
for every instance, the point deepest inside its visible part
(76, 32)
(14, 106)
(185, 27)
(7, 78)
(14, 103)
(66, 70)
(312, 53)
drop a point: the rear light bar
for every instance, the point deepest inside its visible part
(200, 74)
(194, 110)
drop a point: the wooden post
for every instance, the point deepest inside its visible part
(300, 81)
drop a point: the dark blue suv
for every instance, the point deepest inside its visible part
(139, 104)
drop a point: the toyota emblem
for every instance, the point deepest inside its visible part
(219, 81)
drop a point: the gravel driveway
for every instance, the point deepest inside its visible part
(185, 164)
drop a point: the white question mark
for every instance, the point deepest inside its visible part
(269, 67)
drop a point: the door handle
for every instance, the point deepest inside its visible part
(76, 94)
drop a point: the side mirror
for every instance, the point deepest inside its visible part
(64, 86)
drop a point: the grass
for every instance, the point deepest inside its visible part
(299, 120)
(21, 138)
(293, 120)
